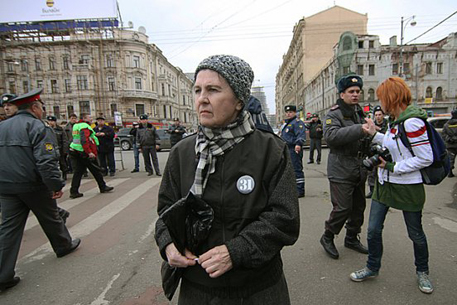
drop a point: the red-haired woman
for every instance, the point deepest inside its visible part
(399, 182)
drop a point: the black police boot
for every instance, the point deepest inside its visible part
(329, 246)
(352, 241)
(451, 174)
(10, 283)
(64, 176)
(106, 189)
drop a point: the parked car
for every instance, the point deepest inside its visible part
(124, 139)
(438, 122)
(164, 139)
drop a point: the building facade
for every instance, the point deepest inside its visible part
(103, 71)
(430, 70)
(310, 49)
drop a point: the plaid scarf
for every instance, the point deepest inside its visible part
(212, 143)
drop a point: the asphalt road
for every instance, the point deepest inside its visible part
(118, 261)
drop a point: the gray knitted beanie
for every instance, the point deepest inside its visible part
(236, 72)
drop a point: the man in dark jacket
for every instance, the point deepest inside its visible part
(62, 144)
(136, 151)
(450, 138)
(105, 135)
(29, 180)
(381, 126)
(147, 141)
(176, 132)
(315, 134)
(345, 132)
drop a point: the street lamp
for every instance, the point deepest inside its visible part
(412, 22)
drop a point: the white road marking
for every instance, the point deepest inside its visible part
(446, 224)
(68, 204)
(150, 230)
(101, 298)
(96, 220)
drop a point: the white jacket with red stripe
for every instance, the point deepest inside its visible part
(407, 168)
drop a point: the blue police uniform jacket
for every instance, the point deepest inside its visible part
(293, 132)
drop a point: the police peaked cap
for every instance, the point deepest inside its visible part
(51, 118)
(143, 117)
(377, 108)
(349, 81)
(101, 118)
(7, 98)
(315, 115)
(28, 98)
(290, 108)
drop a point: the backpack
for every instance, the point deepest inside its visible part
(439, 169)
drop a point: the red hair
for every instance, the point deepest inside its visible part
(393, 93)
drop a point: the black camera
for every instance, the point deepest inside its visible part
(377, 151)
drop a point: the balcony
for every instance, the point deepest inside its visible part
(139, 94)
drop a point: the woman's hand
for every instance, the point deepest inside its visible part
(383, 163)
(176, 259)
(216, 261)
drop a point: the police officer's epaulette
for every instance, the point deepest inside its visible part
(334, 107)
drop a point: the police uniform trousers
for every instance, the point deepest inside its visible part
(110, 166)
(315, 144)
(349, 204)
(297, 163)
(81, 165)
(15, 210)
(148, 153)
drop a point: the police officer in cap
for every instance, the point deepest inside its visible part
(293, 132)
(381, 126)
(346, 132)
(8, 106)
(29, 180)
(62, 144)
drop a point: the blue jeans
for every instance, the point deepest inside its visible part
(413, 222)
(136, 156)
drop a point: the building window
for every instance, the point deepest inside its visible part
(371, 70)
(84, 60)
(163, 90)
(66, 63)
(56, 112)
(139, 109)
(111, 86)
(371, 44)
(439, 93)
(138, 83)
(68, 85)
(184, 100)
(428, 92)
(38, 64)
(25, 86)
(109, 61)
(362, 96)
(360, 69)
(10, 66)
(81, 82)
(439, 68)
(12, 86)
(84, 107)
(164, 111)
(113, 109)
(70, 110)
(406, 68)
(24, 65)
(395, 69)
(136, 61)
(428, 68)
(371, 95)
(169, 90)
(360, 44)
(54, 87)
(52, 63)
(39, 83)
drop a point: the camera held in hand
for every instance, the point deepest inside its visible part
(376, 152)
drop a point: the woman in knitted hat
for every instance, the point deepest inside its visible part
(245, 176)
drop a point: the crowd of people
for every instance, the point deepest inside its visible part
(247, 201)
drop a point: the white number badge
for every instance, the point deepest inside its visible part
(245, 184)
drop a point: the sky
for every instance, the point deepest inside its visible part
(260, 32)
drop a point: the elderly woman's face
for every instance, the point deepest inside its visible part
(215, 102)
